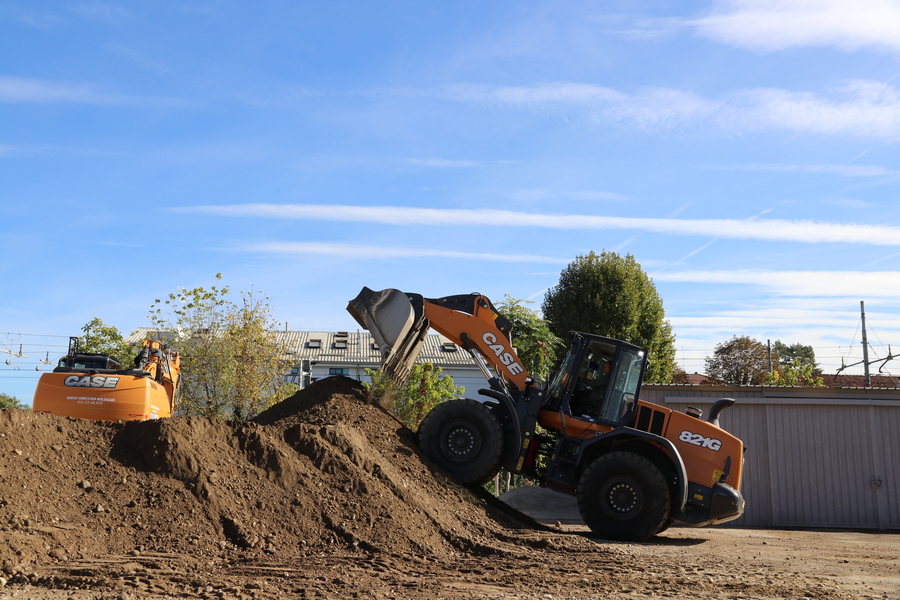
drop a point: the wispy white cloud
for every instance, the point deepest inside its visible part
(39, 18)
(843, 170)
(850, 284)
(361, 252)
(441, 163)
(753, 229)
(11, 151)
(54, 15)
(849, 203)
(19, 89)
(536, 195)
(648, 107)
(8, 151)
(752, 321)
(106, 12)
(547, 94)
(869, 109)
(861, 108)
(770, 25)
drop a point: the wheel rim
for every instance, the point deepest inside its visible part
(460, 441)
(621, 498)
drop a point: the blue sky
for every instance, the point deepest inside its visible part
(745, 153)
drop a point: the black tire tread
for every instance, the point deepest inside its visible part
(487, 463)
(655, 513)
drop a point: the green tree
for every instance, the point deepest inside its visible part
(101, 338)
(535, 344)
(805, 355)
(231, 361)
(610, 295)
(7, 401)
(795, 374)
(740, 361)
(424, 389)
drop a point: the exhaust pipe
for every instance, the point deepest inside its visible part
(718, 407)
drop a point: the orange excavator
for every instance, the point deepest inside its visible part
(635, 467)
(95, 386)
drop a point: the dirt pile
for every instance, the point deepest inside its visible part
(325, 496)
(323, 470)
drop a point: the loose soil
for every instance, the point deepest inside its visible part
(327, 496)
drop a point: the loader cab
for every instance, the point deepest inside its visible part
(597, 381)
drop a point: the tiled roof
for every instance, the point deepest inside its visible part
(357, 347)
(697, 379)
(888, 382)
(858, 381)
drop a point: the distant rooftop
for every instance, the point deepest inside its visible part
(830, 380)
(357, 347)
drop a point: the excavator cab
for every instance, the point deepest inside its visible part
(88, 361)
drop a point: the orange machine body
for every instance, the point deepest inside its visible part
(77, 389)
(703, 447)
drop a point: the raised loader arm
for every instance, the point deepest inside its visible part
(399, 322)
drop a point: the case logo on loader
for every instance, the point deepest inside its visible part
(91, 382)
(506, 357)
(699, 440)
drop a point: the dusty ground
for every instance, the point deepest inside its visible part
(325, 496)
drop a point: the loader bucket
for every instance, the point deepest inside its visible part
(397, 323)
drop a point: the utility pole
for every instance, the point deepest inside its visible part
(865, 343)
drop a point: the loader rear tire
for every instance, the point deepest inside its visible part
(464, 438)
(624, 496)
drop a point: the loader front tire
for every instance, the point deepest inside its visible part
(464, 438)
(624, 496)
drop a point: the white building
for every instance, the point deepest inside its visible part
(318, 354)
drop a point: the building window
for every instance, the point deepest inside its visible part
(338, 371)
(314, 344)
(340, 344)
(449, 347)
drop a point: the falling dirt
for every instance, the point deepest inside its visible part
(326, 496)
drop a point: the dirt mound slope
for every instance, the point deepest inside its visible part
(322, 470)
(326, 496)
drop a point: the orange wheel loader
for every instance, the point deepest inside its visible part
(635, 467)
(95, 386)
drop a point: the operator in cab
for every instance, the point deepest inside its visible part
(590, 389)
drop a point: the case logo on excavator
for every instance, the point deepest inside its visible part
(87, 381)
(506, 357)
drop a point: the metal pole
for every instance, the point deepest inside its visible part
(865, 343)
